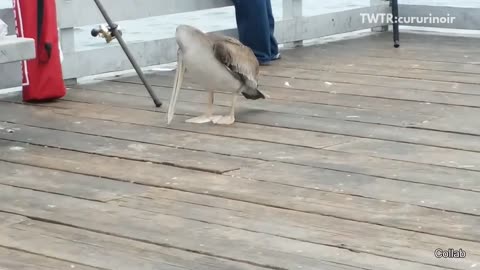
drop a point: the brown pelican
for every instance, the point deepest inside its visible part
(217, 63)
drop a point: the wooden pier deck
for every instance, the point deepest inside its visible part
(364, 157)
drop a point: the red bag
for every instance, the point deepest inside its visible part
(42, 76)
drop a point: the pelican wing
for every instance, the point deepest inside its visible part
(238, 58)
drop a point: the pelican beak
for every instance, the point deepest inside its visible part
(176, 86)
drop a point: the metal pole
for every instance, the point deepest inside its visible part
(396, 30)
(118, 36)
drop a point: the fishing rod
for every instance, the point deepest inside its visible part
(396, 30)
(113, 32)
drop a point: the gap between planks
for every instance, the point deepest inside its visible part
(245, 154)
(417, 147)
(105, 251)
(325, 77)
(328, 126)
(165, 177)
(297, 94)
(214, 236)
(65, 123)
(14, 259)
(128, 237)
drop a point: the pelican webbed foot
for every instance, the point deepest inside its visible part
(223, 120)
(208, 116)
(202, 119)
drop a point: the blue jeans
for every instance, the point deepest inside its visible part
(256, 27)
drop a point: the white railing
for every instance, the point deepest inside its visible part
(294, 27)
(465, 18)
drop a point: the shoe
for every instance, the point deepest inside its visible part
(277, 57)
(267, 63)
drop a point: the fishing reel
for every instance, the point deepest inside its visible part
(105, 32)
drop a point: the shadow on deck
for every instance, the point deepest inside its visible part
(364, 157)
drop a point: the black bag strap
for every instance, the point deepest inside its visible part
(40, 18)
(40, 12)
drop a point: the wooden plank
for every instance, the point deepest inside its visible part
(448, 43)
(248, 107)
(364, 185)
(440, 55)
(280, 193)
(411, 153)
(330, 62)
(325, 230)
(132, 149)
(294, 225)
(387, 106)
(9, 219)
(464, 97)
(426, 108)
(461, 51)
(363, 116)
(345, 51)
(363, 130)
(447, 46)
(366, 79)
(17, 260)
(87, 114)
(210, 239)
(395, 243)
(336, 161)
(272, 120)
(360, 107)
(78, 186)
(327, 94)
(323, 79)
(462, 40)
(339, 94)
(467, 124)
(419, 74)
(241, 148)
(442, 194)
(79, 247)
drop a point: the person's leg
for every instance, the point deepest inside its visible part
(253, 27)
(273, 41)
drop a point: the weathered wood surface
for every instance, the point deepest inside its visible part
(19, 260)
(363, 157)
(283, 192)
(91, 188)
(99, 250)
(250, 151)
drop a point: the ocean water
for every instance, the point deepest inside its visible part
(223, 18)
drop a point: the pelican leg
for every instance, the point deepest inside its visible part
(227, 119)
(207, 117)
